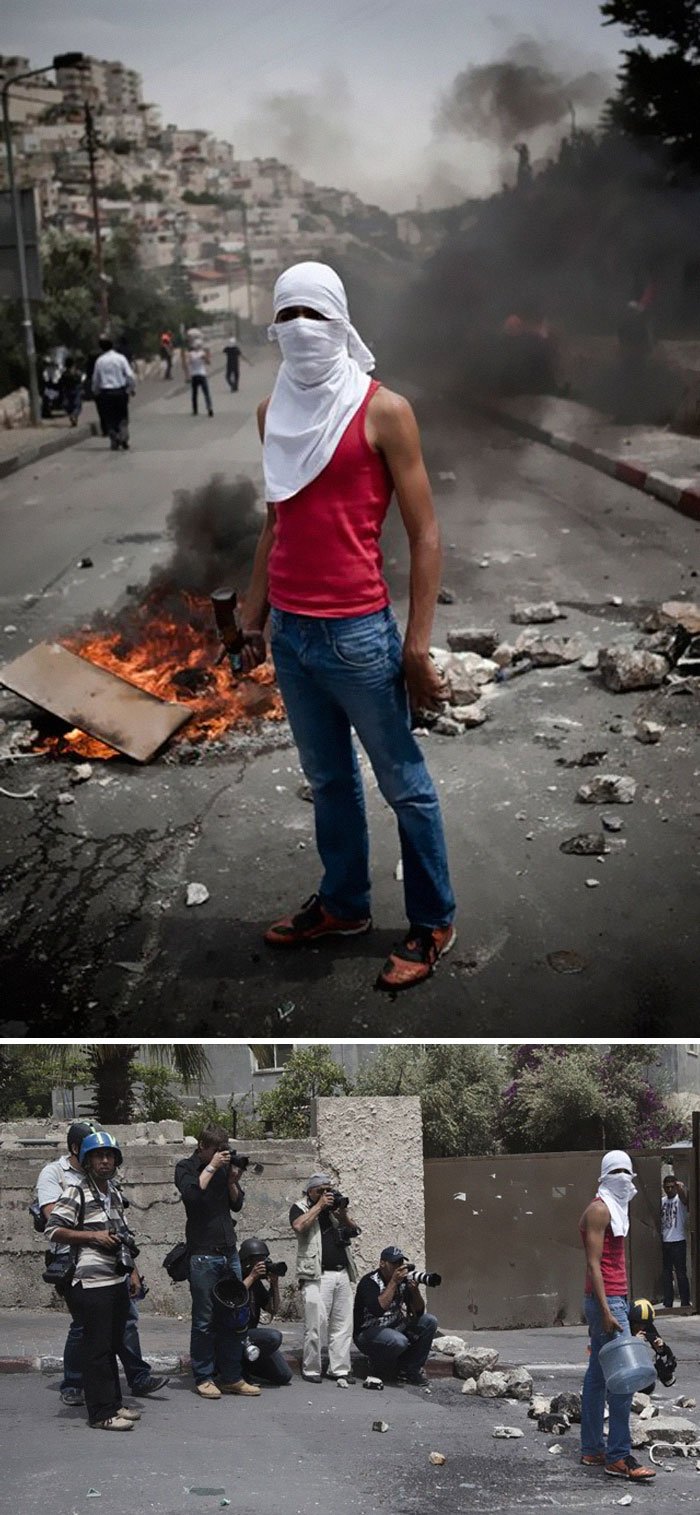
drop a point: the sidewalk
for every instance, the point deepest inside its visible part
(32, 1342)
(663, 463)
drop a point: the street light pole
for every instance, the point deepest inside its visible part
(66, 60)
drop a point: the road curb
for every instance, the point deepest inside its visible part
(56, 443)
(175, 1362)
(680, 494)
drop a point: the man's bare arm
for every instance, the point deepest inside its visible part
(256, 607)
(596, 1219)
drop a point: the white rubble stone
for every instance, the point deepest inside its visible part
(469, 1386)
(197, 894)
(549, 651)
(445, 726)
(479, 639)
(520, 1384)
(472, 1361)
(624, 668)
(540, 1405)
(673, 1428)
(492, 1385)
(450, 1345)
(608, 789)
(507, 1432)
(470, 665)
(649, 732)
(640, 1402)
(589, 661)
(469, 715)
(537, 613)
(503, 654)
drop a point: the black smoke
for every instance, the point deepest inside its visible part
(214, 530)
(520, 93)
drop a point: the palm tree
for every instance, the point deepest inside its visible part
(111, 1072)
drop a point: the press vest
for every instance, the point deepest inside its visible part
(309, 1264)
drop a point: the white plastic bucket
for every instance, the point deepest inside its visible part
(627, 1364)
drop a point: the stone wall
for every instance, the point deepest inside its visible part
(371, 1147)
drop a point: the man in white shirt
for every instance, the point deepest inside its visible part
(113, 381)
(674, 1222)
(197, 360)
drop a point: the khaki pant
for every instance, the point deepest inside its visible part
(327, 1314)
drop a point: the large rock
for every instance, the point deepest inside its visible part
(608, 789)
(481, 639)
(682, 613)
(470, 665)
(450, 1345)
(568, 1404)
(469, 1386)
(639, 1432)
(469, 715)
(492, 1385)
(549, 651)
(622, 668)
(537, 614)
(520, 1384)
(472, 1361)
(673, 1428)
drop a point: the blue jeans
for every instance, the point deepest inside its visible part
(137, 1370)
(392, 1351)
(594, 1393)
(335, 674)
(215, 1348)
(197, 382)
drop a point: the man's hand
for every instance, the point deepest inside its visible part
(610, 1324)
(258, 1271)
(327, 1200)
(105, 1239)
(134, 1283)
(427, 687)
(254, 650)
(220, 1160)
(235, 1173)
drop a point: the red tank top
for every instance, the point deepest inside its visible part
(613, 1265)
(325, 558)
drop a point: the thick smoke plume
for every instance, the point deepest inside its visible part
(496, 102)
(214, 530)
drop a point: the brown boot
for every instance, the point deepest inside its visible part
(628, 1467)
(239, 1388)
(208, 1390)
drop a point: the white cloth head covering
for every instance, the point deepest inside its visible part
(617, 1189)
(321, 383)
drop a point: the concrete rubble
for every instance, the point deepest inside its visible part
(492, 1385)
(481, 639)
(472, 1361)
(536, 614)
(550, 651)
(623, 668)
(608, 789)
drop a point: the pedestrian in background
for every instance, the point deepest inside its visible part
(233, 354)
(113, 381)
(71, 391)
(197, 360)
(674, 1223)
(166, 353)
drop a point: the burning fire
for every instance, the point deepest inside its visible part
(168, 645)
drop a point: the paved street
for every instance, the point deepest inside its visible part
(96, 936)
(308, 1448)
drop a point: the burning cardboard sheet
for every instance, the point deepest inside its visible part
(96, 701)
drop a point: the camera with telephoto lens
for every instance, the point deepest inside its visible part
(274, 1270)
(241, 1160)
(415, 1276)
(126, 1253)
(666, 1365)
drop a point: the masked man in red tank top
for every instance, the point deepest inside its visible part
(336, 446)
(604, 1226)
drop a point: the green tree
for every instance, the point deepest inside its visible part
(154, 1096)
(578, 1097)
(459, 1089)
(28, 1078)
(658, 90)
(309, 1074)
(112, 1069)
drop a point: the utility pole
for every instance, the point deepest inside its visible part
(92, 144)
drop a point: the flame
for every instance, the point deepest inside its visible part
(168, 645)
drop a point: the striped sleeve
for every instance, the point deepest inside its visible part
(65, 1212)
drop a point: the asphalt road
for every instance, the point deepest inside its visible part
(95, 936)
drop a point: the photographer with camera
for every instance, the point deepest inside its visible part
(209, 1188)
(261, 1355)
(54, 1178)
(326, 1270)
(89, 1219)
(392, 1326)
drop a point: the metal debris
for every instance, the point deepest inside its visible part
(24, 794)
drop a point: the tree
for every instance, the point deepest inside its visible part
(658, 91)
(112, 1069)
(459, 1089)
(309, 1074)
(28, 1078)
(578, 1097)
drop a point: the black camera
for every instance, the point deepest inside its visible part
(666, 1365)
(429, 1280)
(346, 1234)
(275, 1270)
(126, 1253)
(340, 1201)
(241, 1160)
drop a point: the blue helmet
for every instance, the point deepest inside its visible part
(99, 1140)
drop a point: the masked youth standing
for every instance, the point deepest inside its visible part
(336, 445)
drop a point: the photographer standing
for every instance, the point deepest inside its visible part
(261, 1278)
(54, 1179)
(89, 1218)
(209, 1188)
(392, 1326)
(325, 1268)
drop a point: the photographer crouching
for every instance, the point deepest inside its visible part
(392, 1326)
(208, 1183)
(262, 1356)
(89, 1218)
(325, 1271)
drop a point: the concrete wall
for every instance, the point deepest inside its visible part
(372, 1149)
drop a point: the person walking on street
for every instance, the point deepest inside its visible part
(603, 1227)
(71, 391)
(233, 354)
(336, 445)
(89, 1217)
(674, 1224)
(166, 353)
(113, 381)
(326, 1270)
(197, 360)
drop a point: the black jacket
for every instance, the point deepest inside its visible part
(210, 1228)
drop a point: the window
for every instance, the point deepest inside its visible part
(269, 1057)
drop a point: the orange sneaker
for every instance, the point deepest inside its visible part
(593, 1459)
(628, 1467)
(415, 958)
(311, 922)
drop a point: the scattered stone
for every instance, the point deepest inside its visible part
(503, 654)
(649, 732)
(554, 1451)
(589, 661)
(611, 823)
(614, 599)
(649, 1412)
(520, 1384)
(682, 613)
(640, 1402)
(608, 789)
(197, 894)
(492, 1385)
(10, 630)
(536, 614)
(684, 1403)
(568, 1404)
(446, 476)
(549, 651)
(624, 668)
(372, 1382)
(85, 563)
(670, 1428)
(469, 1387)
(592, 883)
(472, 1361)
(380, 1425)
(64, 798)
(469, 715)
(626, 1499)
(507, 1432)
(305, 792)
(638, 1432)
(540, 1405)
(567, 961)
(470, 665)
(450, 1345)
(81, 773)
(445, 726)
(445, 596)
(398, 871)
(589, 759)
(463, 689)
(584, 844)
(481, 639)
(437, 1459)
(551, 1422)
